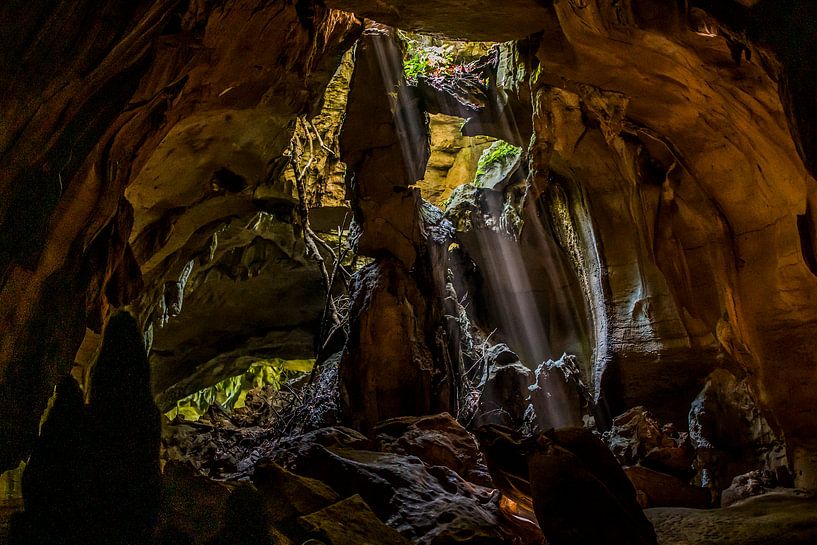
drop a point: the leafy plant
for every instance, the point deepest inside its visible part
(426, 60)
(415, 65)
(231, 392)
(499, 152)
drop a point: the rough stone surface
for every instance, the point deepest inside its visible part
(384, 142)
(428, 504)
(655, 489)
(476, 21)
(504, 394)
(730, 432)
(351, 522)
(388, 369)
(437, 440)
(785, 519)
(754, 483)
(453, 159)
(191, 503)
(257, 259)
(123, 91)
(559, 397)
(288, 496)
(564, 477)
(638, 438)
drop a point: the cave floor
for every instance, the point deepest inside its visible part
(776, 518)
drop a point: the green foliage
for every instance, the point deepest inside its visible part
(425, 59)
(500, 151)
(231, 393)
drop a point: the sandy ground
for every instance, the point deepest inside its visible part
(776, 518)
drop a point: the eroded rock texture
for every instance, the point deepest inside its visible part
(388, 368)
(679, 140)
(185, 104)
(662, 209)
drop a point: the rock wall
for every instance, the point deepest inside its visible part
(184, 104)
(671, 153)
(680, 135)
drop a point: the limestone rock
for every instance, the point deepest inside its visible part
(57, 478)
(125, 91)
(257, 257)
(288, 496)
(511, 20)
(245, 520)
(559, 397)
(124, 459)
(498, 172)
(192, 504)
(388, 368)
(655, 489)
(638, 438)
(566, 476)
(351, 522)
(385, 145)
(754, 483)
(730, 432)
(771, 518)
(453, 159)
(437, 440)
(427, 504)
(504, 395)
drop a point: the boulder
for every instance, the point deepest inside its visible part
(730, 432)
(504, 392)
(427, 504)
(559, 397)
(245, 520)
(637, 437)
(437, 440)
(351, 522)
(568, 477)
(287, 495)
(655, 489)
(755, 483)
(192, 504)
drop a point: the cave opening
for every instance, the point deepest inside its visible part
(408, 274)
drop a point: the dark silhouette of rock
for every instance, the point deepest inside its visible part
(428, 503)
(55, 481)
(124, 438)
(559, 397)
(576, 488)
(174, 536)
(245, 522)
(287, 495)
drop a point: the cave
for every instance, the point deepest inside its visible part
(348, 272)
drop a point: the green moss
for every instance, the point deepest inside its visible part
(230, 393)
(499, 152)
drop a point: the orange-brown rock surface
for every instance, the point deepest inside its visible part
(682, 134)
(672, 163)
(101, 95)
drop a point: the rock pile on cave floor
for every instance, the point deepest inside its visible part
(671, 468)
(415, 480)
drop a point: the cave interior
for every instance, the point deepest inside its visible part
(352, 272)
